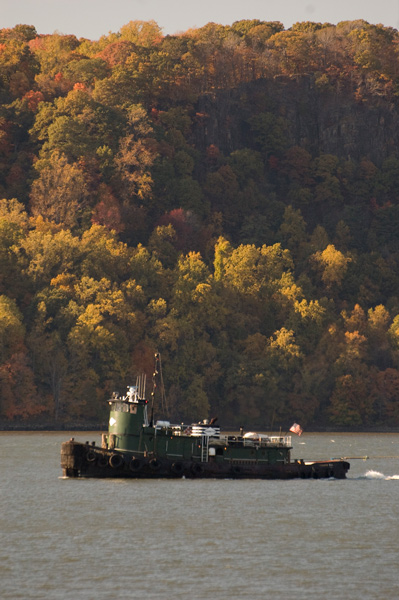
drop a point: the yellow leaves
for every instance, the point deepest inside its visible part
(133, 163)
(378, 318)
(91, 317)
(223, 250)
(13, 226)
(255, 271)
(12, 330)
(142, 33)
(355, 342)
(49, 253)
(201, 292)
(276, 260)
(192, 270)
(157, 308)
(64, 282)
(310, 310)
(240, 270)
(333, 265)
(394, 332)
(355, 320)
(60, 192)
(283, 343)
(168, 333)
(103, 301)
(13, 212)
(192, 279)
(133, 293)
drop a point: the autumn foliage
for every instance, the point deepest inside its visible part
(227, 196)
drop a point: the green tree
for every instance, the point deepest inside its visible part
(270, 133)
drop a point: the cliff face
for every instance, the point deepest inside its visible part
(344, 119)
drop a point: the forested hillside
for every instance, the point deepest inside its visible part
(228, 196)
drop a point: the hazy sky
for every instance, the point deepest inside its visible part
(93, 18)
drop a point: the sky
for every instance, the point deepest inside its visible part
(94, 18)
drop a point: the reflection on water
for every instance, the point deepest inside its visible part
(98, 539)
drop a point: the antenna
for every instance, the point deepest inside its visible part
(163, 395)
(141, 385)
(158, 371)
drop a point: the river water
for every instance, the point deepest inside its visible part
(97, 540)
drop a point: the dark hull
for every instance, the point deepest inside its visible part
(82, 460)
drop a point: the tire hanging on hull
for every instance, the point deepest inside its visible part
(102, 461)
(135, 465)
(154, 464)
(116, 461)
(197, 469)
(177, 468)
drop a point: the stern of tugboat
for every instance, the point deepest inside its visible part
(72, 457)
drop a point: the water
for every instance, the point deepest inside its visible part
(97, 540)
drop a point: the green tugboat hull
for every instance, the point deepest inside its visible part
(84, 460)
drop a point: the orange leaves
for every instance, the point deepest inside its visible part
(33, 99)
(117, 53)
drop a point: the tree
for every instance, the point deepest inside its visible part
(12, 331)
(86, 70)
(269, 133)
(136, 156)
(350, 403)
(378, 323)
(47, 251)
(107, 211)
(103, 255)
(53, 51)
(13, 226)
(385, 392)
(265, 376)
(60, 193)
(17, 389)
(333, 265)
(162, 244)
(142, 33)
(51, 364)
(292, 232)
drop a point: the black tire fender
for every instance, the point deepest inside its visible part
(197, 469)
(91, 456)
(102, 460)
(154, 464)
(135, 465)
(177, 468)
(116, 461)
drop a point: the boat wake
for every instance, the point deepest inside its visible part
(377, 475)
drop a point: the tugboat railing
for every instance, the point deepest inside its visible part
(281, 441)
(204, 448)
(261, 441)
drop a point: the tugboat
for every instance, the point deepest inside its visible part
(136, 447)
